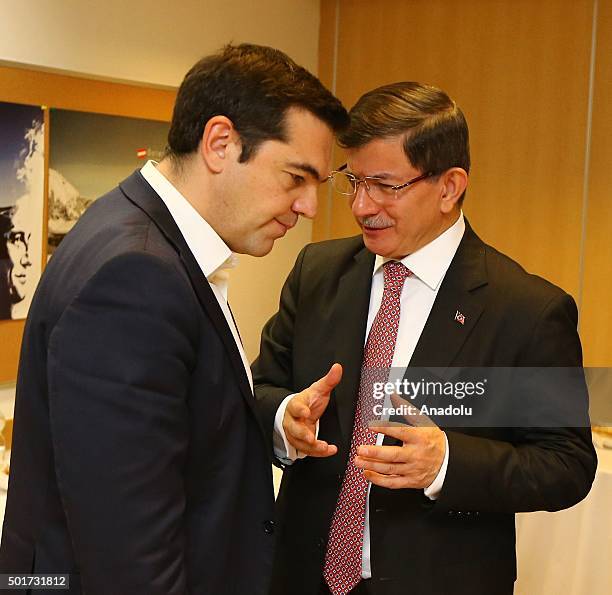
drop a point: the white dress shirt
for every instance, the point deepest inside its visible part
(211, 253)
(428, 265)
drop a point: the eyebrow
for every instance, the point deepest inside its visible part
(307, 168)
(380, 176)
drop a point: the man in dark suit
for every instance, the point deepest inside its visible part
(430, 510)
(139, 465)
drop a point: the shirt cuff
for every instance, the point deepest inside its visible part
(433, 491)
(285, 452)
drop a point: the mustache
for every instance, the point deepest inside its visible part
(378, 221)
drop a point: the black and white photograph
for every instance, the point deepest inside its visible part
(21, 206)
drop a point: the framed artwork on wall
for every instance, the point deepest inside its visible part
(89, 154)
(24, 169)
(21, 206)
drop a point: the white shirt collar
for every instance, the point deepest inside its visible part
(431, 262)
(210, 251)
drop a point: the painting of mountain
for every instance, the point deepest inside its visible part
(66, 205)
(89, 154)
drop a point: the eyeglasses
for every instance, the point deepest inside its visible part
(347, 184)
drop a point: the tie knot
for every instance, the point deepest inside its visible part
(395, 274)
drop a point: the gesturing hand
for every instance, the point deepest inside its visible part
(415, 464)
(305, 409)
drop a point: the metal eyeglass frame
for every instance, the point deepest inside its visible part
(364, 180)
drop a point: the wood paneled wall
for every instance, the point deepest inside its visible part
(521, 72)
(34, 87)
(596, 310)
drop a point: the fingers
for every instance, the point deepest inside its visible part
(393, 482)
(301, 436)
(399, 468)
(319, 449)
(404, 433)
(297, 408)
(407, 434)
(298, 430)
(388, 454)
(413, 416)
(306, 443)
(412, 465)
(303, 412)
(312, 402)
(325, 385)
(410, 472)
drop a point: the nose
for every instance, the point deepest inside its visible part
(306, 204)
(25, 261)
(24, 256)
(363, 205)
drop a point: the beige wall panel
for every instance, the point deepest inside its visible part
(22, 85)
(596, 311)
(11, 332)
(327, 47)
(255, 285)
(520, 71)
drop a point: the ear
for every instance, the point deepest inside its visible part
(454, 182)
(220, 143)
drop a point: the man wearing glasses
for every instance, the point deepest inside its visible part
(427, 510)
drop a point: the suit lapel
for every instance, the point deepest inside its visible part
(350, 318)
(138, 191)
(442, 336)
(457, 307)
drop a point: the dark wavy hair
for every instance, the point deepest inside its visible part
(6, 224)
(6, 295)
(253, 86)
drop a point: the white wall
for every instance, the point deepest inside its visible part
(155, 42)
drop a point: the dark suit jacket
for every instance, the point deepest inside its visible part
(139, 465)
(465, 541)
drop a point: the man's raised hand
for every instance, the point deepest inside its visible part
(304, 411)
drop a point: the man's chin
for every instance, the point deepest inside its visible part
(261, 248)
(374, 242)
(382, 248)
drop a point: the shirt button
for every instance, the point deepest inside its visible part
(321, 543)
(268, 527)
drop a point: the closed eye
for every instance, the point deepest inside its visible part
(390, 188)
(297, 179)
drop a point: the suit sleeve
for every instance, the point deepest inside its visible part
(273, 368)
(119, 366)
(539, 468)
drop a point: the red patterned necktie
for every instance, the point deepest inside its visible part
(342, 569)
